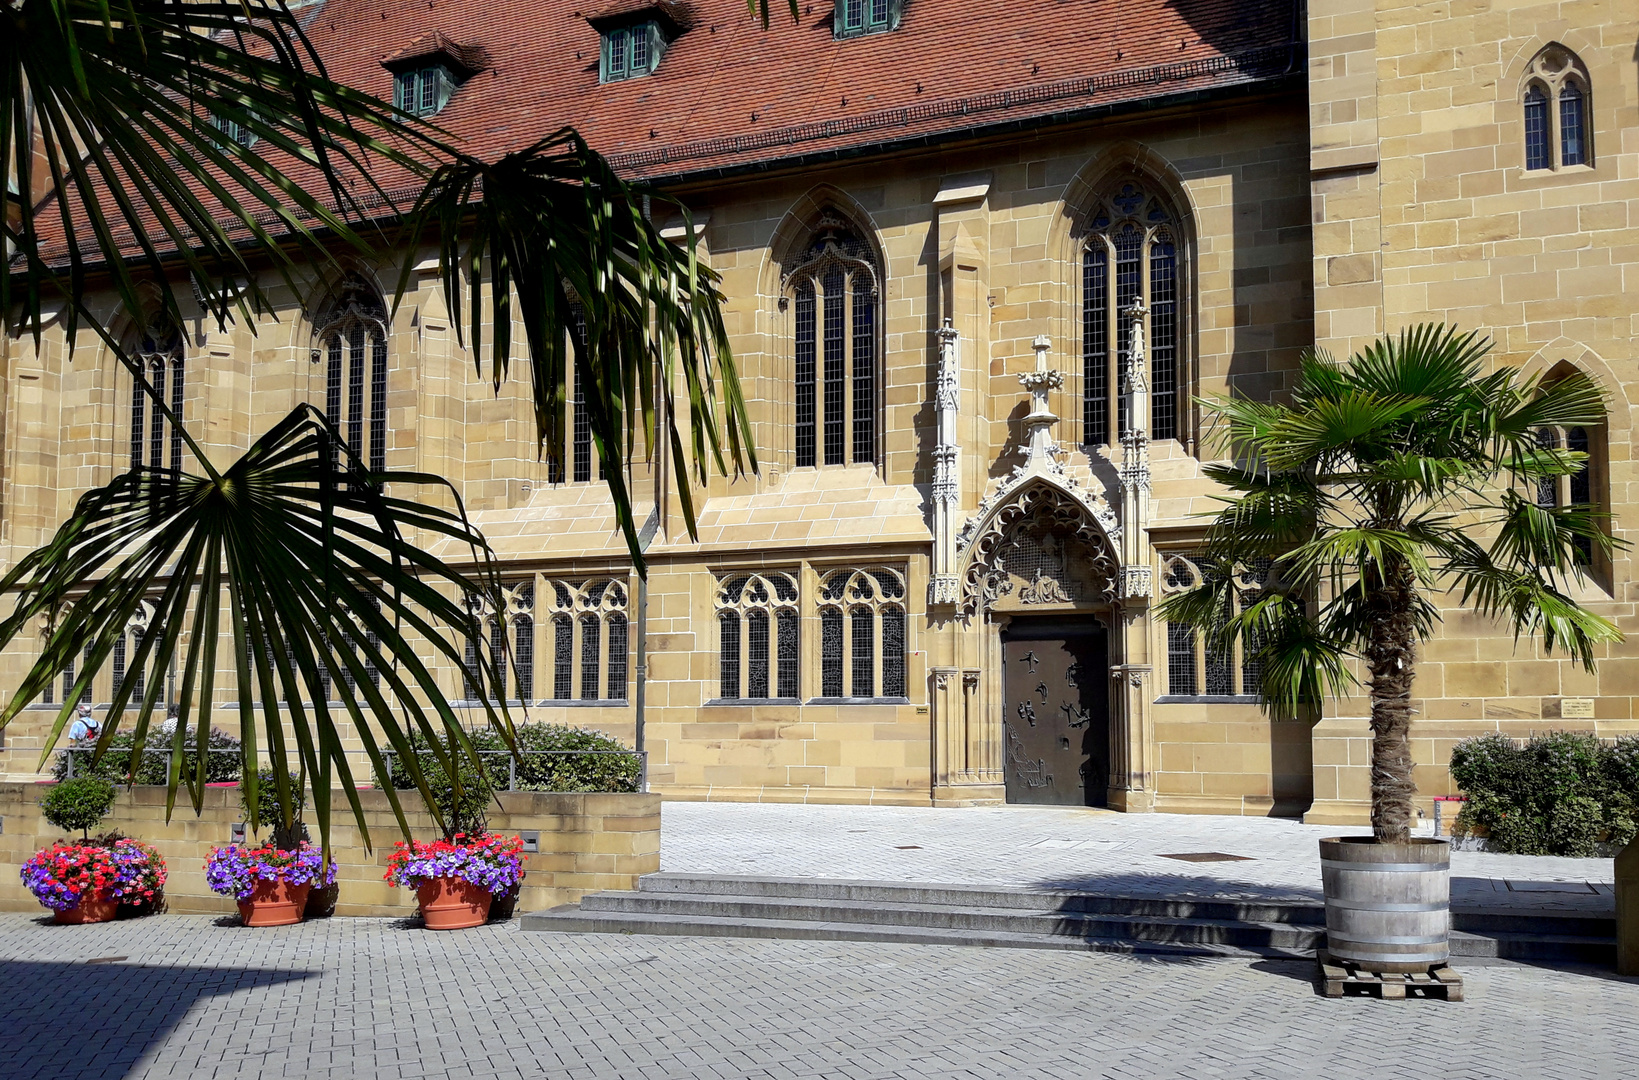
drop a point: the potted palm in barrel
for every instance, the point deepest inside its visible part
(1405, 474)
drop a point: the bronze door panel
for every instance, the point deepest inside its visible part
(1056, 727)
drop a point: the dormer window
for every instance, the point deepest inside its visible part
(428, 72)
(234, 131)
(423, 91)
(631, 51)
(855, 18)
(633, 35)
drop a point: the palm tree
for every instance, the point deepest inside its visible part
(120, 174)
(1383, 483)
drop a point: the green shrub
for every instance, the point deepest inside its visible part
(1562, 793)
(580, 769)
(78, 803)
(267, 809)
(220, 768)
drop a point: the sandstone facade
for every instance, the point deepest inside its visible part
(1383, 186)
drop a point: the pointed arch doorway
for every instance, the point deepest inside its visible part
(1055, 710)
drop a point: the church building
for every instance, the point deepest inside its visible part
(982, 262)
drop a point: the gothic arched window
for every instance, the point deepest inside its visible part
(155, 441)
(1131, 252)
(1555, 108)
(835, 290)
(757, 638)
(353, 346)
(589, 641)
(862, 634)
(1581, 488)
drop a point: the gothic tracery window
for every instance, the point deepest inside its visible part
(1131, 251)
(1195, 669)
(862, 634)
(758, 635)
(1555, 109)
(353, 348)
(508, 641)
(588, 636)
(1581, 488)
(156, 442)
(834, 294)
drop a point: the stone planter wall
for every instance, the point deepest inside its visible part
(587, 843)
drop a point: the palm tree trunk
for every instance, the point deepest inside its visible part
(1391, 657)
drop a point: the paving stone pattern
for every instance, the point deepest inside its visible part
(360, 999)
(1053, 847)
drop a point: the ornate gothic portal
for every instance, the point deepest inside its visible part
(1049, 592)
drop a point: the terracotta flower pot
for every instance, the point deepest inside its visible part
(449, 903)
(93, 907)
(274, 903)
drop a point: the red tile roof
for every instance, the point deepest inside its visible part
(729, 95)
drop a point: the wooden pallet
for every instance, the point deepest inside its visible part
(1342, 975)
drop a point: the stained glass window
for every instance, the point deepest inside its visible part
(563, 653)
(1163, 338)
(836, 368)
(591, 644)
(831, 653)
(757, 672)
(788, 625)
(1548, 486)
(161, 355)
(873, 664)
(616, 689)
(354, 333)
(835, 324)
(728, 655)
(1580, 485)
(1134, 228)
(893, 652)
(761, 650)
(1220, 672)
(1181, 660)
(1572, 148)
(864, 653)
(805, 397)
(523, 653)
(1536, 129)
(1095, 343)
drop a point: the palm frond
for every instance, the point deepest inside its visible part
(336, 607)
(554, 226)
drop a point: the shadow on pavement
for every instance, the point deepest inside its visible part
(1178, 887)
(79, 1019)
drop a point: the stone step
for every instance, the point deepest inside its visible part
(571, 919)
(1474, 919)
(725, 905)
(1042, 921)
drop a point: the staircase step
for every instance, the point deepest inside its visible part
(571, 919)
(982, 896)
(727, 905)
(1041, 920)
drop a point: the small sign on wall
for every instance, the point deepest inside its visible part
(1576, 708)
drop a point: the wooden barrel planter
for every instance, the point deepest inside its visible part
(1388, 906)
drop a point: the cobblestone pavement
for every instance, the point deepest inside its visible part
(1076, 848)
(359, 999)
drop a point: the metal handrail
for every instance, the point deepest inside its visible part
(512, 764)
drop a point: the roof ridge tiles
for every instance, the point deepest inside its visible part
(1254, 63)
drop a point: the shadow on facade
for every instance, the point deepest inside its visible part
(79, 1019)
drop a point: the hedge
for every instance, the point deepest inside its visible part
(1562, 793)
